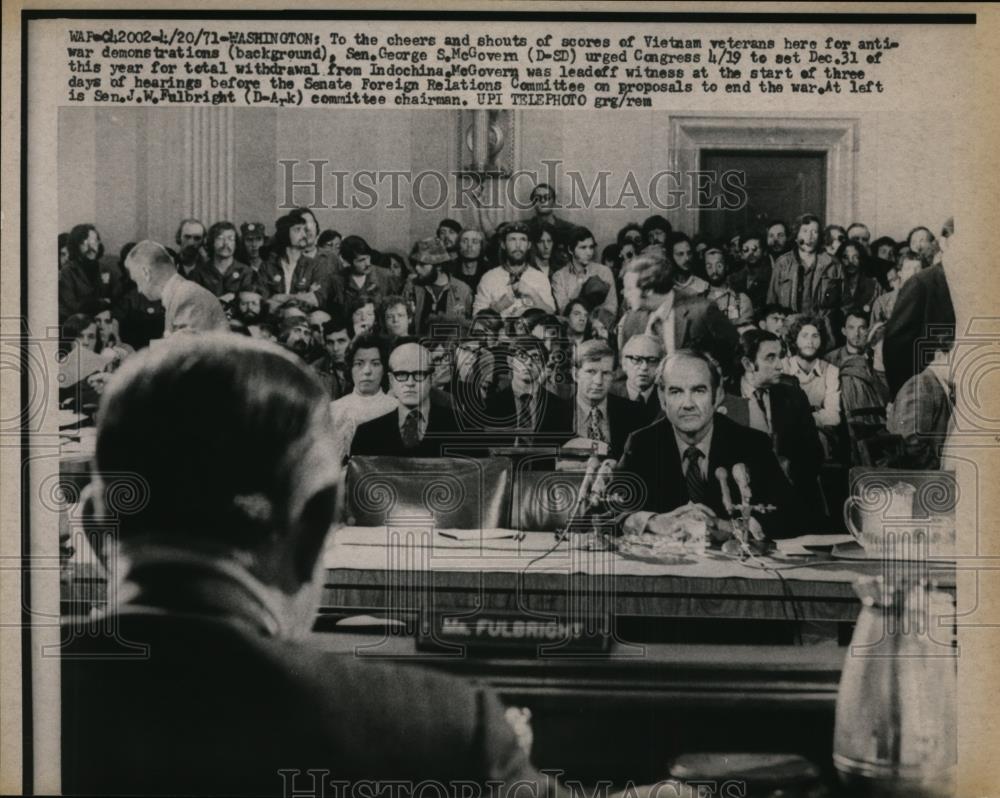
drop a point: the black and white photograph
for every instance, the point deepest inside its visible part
(529, 399)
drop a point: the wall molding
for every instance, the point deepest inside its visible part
(837, 137)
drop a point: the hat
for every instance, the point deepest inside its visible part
(252, 229)
(451, 224)
(516, 227)
(429, 251)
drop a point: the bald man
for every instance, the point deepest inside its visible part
(641, 358)
(187, 305)
(417, 428)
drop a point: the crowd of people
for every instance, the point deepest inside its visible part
(830, 343)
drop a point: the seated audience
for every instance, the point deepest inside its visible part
(85, 279)
(681, 256)
(331, 367)
(190, 241)
(359, 277)
(394, 317)
(220, 575)
(543, 252)
(860, 386)
(753, 277)
(860, 290)
(655, 231)
(772, 318)
(222, 273)
(908, 266)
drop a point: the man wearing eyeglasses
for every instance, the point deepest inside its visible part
(754, 276)
(418, 427)
(525, 413)
(640, 359)
(543, 198)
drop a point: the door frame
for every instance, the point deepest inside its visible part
(837, 137)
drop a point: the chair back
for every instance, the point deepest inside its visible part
(456, 492)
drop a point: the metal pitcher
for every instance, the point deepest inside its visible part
(896, 716)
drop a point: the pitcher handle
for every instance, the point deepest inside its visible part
(851, 501)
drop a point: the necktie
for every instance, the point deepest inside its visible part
(594, 429)
(696, 486)
(524, 412)
(411, 429)
(759, 396)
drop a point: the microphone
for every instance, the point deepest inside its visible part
(727, 497)
(601, 481)
(583, 494)
(742, 478)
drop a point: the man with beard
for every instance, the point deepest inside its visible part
(289, 273)
(776, 237)
(819, 379)
(296, 337)
(359, 277)
(681, 254)
(512, 287)
(754, 277)
(448, 233)
(419, 427)
(655, 231)
(190, 239)
(187, 306)
(329, 261)
(85, 281)
(735, 306)
(249, 310)
(860, 290)
(223, 275)
(806, 279)
(641, 358)
(859, 232)
(472, 263)
(433, 292)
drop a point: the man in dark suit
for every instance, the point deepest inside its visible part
(676, 457)
(525, 413)
(641, 359)
(679, 321)
(764, 399)
(418, 427)
(195, 682)
(922, 311)
(601, 416)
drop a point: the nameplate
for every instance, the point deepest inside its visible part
(515, 633)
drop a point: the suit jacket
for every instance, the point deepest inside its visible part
(651, 454)
(921, 414)
(794, 437)
(381, 436)
(924, 303)
(646, 410)
(78, 289)
(217, 705)
(623, 420)
(189, 306)
(554, 422)
(698, 324)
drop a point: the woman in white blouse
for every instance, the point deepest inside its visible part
(367, 358)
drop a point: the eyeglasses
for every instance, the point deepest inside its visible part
(638, 360)
(543, 197)
(525, 355)
(416, 376)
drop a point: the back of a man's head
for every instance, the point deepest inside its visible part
(223, 432)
